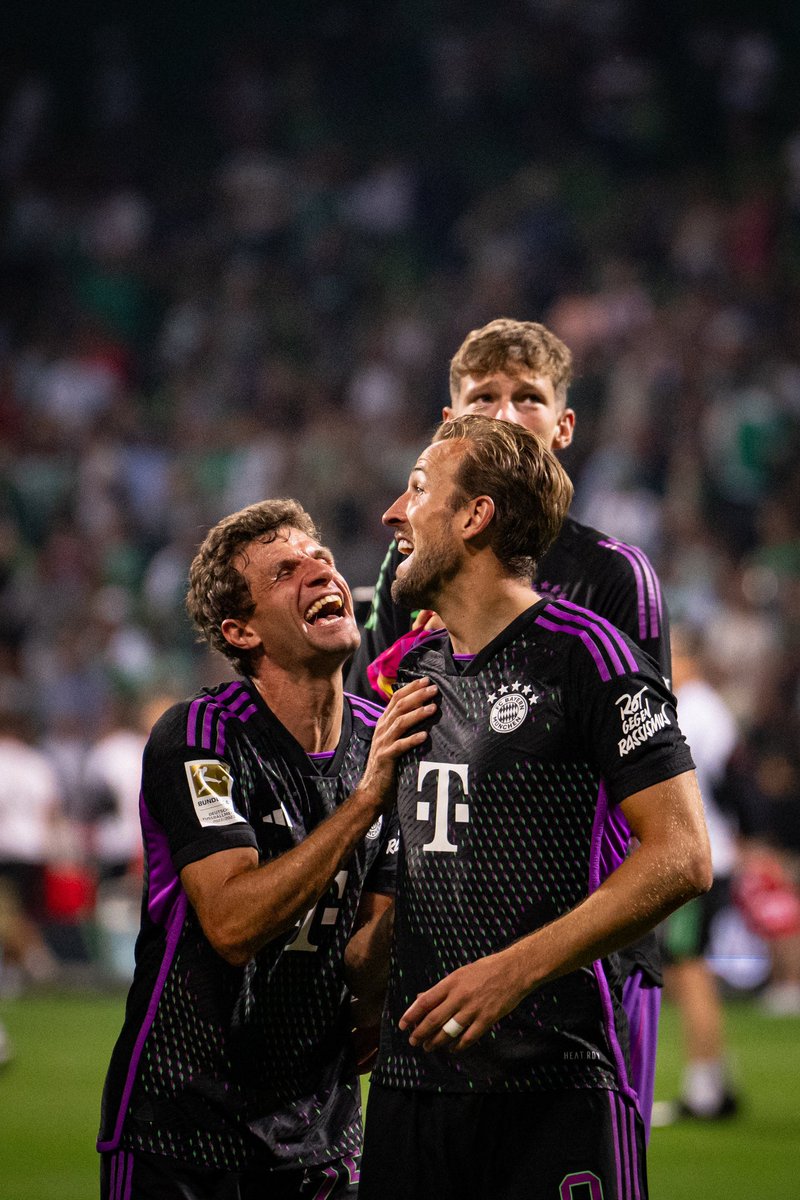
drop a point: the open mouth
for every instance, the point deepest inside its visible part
(404, 545)
(325, 610)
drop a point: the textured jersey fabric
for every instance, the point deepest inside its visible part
(585, 566)
(509, 819)
(217, 1065)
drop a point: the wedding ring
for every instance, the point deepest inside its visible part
(452, 1028)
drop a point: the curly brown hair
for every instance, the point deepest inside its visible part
(530, 489)
(217, 588)
(511, 346)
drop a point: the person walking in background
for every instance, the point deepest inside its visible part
(503, 1025)
(707, 1092)
(268, 847)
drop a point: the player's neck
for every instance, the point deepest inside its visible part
(309, 706)
(478, 607)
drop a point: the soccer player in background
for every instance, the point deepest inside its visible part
(268, 845)
(707, 1091)
(520, 371)
(503, 1068)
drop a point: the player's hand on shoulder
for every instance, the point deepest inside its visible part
(396, 732)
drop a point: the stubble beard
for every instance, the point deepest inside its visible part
(427, 575)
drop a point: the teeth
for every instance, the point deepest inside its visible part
(323, 602)
(404, 545)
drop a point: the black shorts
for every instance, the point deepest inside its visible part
(687, 932)
(575, 1145)
(134, 1175)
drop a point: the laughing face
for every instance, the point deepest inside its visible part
(424, 524)
(304, 610)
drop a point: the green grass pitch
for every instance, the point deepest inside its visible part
(49, 1099)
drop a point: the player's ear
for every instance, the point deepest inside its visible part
(564, 429)
(447, 413)
(478, 515)
(240, 635)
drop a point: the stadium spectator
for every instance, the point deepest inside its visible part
(707, 1091)
(267, 845)
(520, 371)
(30, 811)
(502, 1026)
(112, 770)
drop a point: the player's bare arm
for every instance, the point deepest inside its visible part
(671, 865)
(366, 957)
(242, 906)
(366, 971)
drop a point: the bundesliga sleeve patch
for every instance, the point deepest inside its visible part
(211, 788)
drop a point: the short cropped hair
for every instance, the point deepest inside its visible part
(530, 489)
(217, 588)
(512, 346)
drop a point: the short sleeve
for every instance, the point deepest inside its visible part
(627, 722)
(198, 799)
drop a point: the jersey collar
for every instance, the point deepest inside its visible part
(288, 745)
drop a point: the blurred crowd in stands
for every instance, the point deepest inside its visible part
(236, 259)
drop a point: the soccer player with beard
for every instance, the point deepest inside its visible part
(268, 855)
(519, 371)
(502, 1068)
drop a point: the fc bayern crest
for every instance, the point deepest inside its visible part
(508, 712)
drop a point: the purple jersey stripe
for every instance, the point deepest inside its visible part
(634, 1154)
(112, 1186)
(367, 712)
(654, 589)
(191, 721)
(605, 674)
(175, 925)
(208, 717)
(585, 616)
(226, 703)
(219, 745)
(167, 906)
(612, 1101)
(626, 1153)
(598, 832)
(369, 706)
(615, 842)
(648, 591)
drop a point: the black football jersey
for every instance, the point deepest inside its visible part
(583, 565)
(509, 819)
(218, 1065)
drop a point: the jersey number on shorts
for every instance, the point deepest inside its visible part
(581, 1185)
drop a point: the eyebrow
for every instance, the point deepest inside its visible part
(322, 552)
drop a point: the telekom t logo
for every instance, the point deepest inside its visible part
(441, 843)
